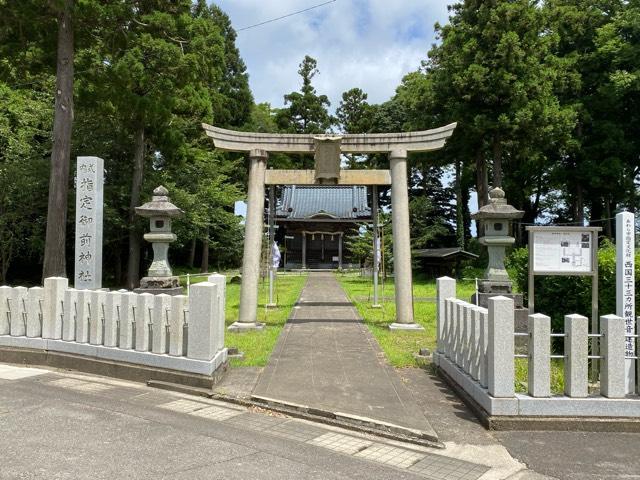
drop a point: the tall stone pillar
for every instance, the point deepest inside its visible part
(401, 243)
(248, 317)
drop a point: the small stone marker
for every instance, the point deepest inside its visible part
(625, 288)
(89, 211)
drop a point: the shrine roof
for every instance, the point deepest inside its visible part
(326, 202)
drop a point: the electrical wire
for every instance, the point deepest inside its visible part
(285, 16)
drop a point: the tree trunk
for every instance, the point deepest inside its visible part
(459, 205)
(482, 187)
(133, 266)
(204, 264)
(579, 213)
(54, 250)
(497, 162)
(192, 253)
(466, 214)
(608, 227)
(482, 179)
(117, 274)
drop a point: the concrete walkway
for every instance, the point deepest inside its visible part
(326, 358)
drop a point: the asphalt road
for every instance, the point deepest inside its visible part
(65, 426)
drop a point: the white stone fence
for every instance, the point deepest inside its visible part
(476, 350)
(179, 333)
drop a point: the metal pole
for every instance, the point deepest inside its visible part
(376, 245)
(531, 274)
(272, 214)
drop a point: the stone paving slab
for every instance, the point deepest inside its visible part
(326, 358)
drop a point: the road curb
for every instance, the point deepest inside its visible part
(337, 419)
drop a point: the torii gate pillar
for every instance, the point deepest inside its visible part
(401, 243)
(248, 315)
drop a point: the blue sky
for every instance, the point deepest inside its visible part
(370, 44)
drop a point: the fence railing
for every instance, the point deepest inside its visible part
(476, 349)
(177, 332)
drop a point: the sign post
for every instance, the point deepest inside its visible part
(566, 251)
(625, 289)
(89, 211)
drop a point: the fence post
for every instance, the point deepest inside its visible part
(484, 345)
(5, 309)
(128, 304)
(82, 320)
(501, 347)
(18, 313)
(159, 319)
(220, 281)
(176, 324)
(445, 288)
(143, 320)
(467, 340)
(96, 318)
(35, 297)
(612, 347)
(54, 288)
(474, 370)
(459, 328)
(202, 321)
(539, 370)
(112, 307)
(449, 315)
(576, 351)
(69, 322)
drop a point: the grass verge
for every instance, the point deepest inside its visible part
(399, 346)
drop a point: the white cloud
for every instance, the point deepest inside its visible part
(370, 44)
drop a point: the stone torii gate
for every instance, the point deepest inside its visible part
(327, 150)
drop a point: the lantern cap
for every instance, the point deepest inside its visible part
(159, 206)
(497, 208)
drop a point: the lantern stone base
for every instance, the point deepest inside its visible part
(158, 285)
(483, 298)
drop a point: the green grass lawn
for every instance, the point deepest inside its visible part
(399, 346)
(257, 345)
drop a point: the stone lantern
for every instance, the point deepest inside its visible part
(495, 221)
(160, 212)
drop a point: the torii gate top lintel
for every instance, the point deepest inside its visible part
(422, 141)
(327, 149)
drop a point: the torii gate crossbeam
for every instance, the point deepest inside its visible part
(327, 149)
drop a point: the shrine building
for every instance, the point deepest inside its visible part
(314, 221)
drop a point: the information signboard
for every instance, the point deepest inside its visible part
(562, 251)
(566, 251)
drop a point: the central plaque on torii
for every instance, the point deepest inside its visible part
(327, 150)
(327, 158)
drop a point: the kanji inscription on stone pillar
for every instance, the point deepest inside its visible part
(89, 210)
(625, 287)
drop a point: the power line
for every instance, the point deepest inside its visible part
(286, 16)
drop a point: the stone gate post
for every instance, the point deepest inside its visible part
(248, 316)
(401, 242)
